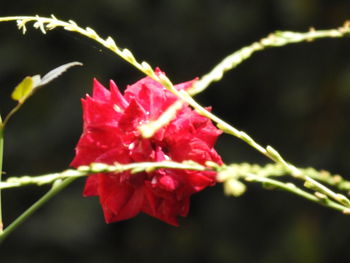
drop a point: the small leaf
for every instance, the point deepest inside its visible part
(57, 72)
(23, 89)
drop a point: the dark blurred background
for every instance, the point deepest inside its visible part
(295, 98)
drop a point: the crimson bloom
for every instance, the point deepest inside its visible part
(111, 134)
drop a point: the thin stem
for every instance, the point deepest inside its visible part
(1, 161)
(100, 168)
(268, 151)
(278, 170)
(289, 187)
(49, 23)
(276, 39)
(9, 115)
(56, 188)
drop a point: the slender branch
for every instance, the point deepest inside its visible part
(100, 168)
(56, 188)
(231, 175)
(277, 170)
(149, 129)
(10, 114)
(277, 39)
(49, 23)
(225, 173)
(250, 173)
(289, 187)
(1, 161)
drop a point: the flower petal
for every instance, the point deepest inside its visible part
(119, 201)
(111, 134)
(100, 92)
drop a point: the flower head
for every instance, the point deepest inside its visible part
(111, 134)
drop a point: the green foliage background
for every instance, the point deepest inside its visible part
(295, 98)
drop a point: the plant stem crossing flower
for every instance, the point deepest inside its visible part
(111, 135)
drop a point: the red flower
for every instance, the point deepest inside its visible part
(111, 135)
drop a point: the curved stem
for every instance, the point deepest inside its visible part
(276, 39)
(56, 188)
(9, 115)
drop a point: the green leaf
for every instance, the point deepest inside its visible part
(30, 84)
(23, 89)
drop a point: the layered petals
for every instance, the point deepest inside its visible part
(111, 135)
